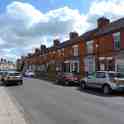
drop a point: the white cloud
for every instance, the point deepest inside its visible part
(2, 41)
(23, 27)
(24, 12)
(101, 7)
(112, 9)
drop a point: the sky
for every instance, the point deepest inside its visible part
(26, 24)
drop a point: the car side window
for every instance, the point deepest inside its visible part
(89, 77)
(100, 75)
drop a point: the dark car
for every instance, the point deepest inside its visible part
(67, 78)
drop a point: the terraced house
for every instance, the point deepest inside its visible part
(61, 57)
(99, 49)
(105, 46)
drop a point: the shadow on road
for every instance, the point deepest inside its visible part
(69, 85)
(9, 85)
(98, 92)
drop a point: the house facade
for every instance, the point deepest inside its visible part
(99, 49)
(105, 46)
(61, 57)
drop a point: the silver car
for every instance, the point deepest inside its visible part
(12, 77)
(107, 80)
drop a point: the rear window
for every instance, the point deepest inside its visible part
(116, 75)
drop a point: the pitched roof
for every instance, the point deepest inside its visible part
(69, 42)
(112, 27)
(89, 34)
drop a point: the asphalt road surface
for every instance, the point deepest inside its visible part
(47, 103)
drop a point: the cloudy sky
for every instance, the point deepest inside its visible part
(25, 24)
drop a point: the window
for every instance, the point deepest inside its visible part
(100, 75)
(116, 37)
(90, 47)
(59, 52)
(76, 67)
(67, 67)
(76, 50)
(63, 51)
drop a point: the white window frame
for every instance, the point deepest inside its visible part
(59, 52)
(115, 35)
(76, 50)
(63, 51)
(90, 46)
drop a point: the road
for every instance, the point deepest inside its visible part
(47, 103)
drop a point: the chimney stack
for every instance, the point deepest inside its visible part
(103, 22)
(56, 42)
(37, 51)
(73, 35)
(29, 55)
(43, 49)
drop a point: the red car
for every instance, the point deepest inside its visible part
(67, 78)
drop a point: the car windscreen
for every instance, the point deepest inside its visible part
(14, 74)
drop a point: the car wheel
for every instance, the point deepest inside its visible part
(20, 83)
(106, 89)
(66, 83)
(82, 85)
(57, 81)
(3, 82)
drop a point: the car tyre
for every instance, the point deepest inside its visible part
(57, 81)
(106, 89)
(83, 85)
(20, 83)
(66, 83)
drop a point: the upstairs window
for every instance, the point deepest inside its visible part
(59, 52)
(63, 51)
(116, 37)
(76, 50)
(90, 47)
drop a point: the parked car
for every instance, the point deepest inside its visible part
(29, 74)
(12, 77)
(2, 72)
(67, 78)
(106, 80)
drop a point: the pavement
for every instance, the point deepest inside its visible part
(46, 103)
(9, 111)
